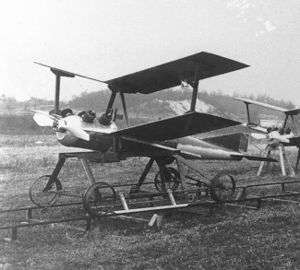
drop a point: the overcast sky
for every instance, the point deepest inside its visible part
(106, 39)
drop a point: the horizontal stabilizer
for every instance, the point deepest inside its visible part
(176, 127)
(268, 106)
(173, 73)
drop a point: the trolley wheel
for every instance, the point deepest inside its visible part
(99, 199)
(222, 187)
(203, 190)
(43, 198)
(172, 180)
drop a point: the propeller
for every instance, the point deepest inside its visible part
(70, 123)
(273, 137)
(277, 137)
(44, 119)
(73, 125)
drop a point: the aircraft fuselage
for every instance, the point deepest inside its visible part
(187, 145)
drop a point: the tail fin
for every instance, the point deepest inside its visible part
(236, 142)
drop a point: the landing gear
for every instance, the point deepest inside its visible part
(102, 199)
(42, 194)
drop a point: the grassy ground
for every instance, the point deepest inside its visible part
(226, 238)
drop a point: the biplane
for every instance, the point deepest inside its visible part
(163, 142)
(278, 135)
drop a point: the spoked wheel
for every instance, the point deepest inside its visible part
(202, 190)
(172, 180)
(222, 187)
(41, 197)
(99, 199)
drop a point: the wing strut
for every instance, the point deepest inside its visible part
(58, 74)
(63, 73)
(248, 113)
(111, 101)
(124, 107)
(247, 103)
(195, 84)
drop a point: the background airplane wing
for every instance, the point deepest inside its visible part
(176, 127)
(173, 73)
(268, 106)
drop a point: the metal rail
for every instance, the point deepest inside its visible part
(30, 208)
(30, 222)
(133, 207)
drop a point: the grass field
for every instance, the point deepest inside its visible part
(228, 238)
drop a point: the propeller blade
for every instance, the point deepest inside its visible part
(272, 138)
(46, 113)
(43, 119)
(280, 138)
(73, 127)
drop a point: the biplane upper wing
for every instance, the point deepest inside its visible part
(268, 106)
(176, 127)
(173, 73)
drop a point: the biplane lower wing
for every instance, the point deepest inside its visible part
(176, 127)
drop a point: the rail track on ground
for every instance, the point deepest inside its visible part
(123, 205)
